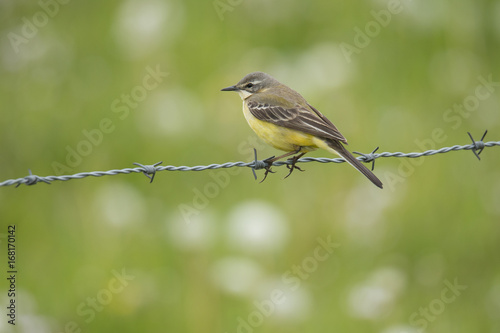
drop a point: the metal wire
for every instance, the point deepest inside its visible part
(150, 170)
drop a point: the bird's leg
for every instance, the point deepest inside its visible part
(269, 162)
(292, 166)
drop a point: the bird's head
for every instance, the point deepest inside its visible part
(253, 83)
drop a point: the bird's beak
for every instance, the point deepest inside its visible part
(231, 88)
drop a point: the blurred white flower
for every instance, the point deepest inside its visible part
(120, 204)
(376, 297)
(321, 67)
(142, 26)
(198, 234)
(29, 321)
(175, 113)
(365, 206)
(288, 306)
(256, 227)
(426, 15)
(238, 276)
(369, 302)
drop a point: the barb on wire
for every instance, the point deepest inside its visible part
(150, 170)
(369, 157)
(32, 179)
(257, 164)
(478, 145)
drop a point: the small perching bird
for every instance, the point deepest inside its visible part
(283, 119)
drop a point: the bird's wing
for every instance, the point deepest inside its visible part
(300, 118)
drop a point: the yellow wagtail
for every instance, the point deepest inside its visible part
(283, 118)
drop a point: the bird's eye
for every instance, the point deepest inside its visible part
(249, 85)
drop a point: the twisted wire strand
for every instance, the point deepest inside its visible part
(476, 147)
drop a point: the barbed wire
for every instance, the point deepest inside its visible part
(151, 170)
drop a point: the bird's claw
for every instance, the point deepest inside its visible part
(292, 166)
(269, 162)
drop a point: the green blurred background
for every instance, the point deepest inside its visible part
(206, 251)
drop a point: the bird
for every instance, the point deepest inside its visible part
(282, 118)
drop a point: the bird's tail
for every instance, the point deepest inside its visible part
(349, 158)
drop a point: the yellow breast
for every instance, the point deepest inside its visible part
(279, 137)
